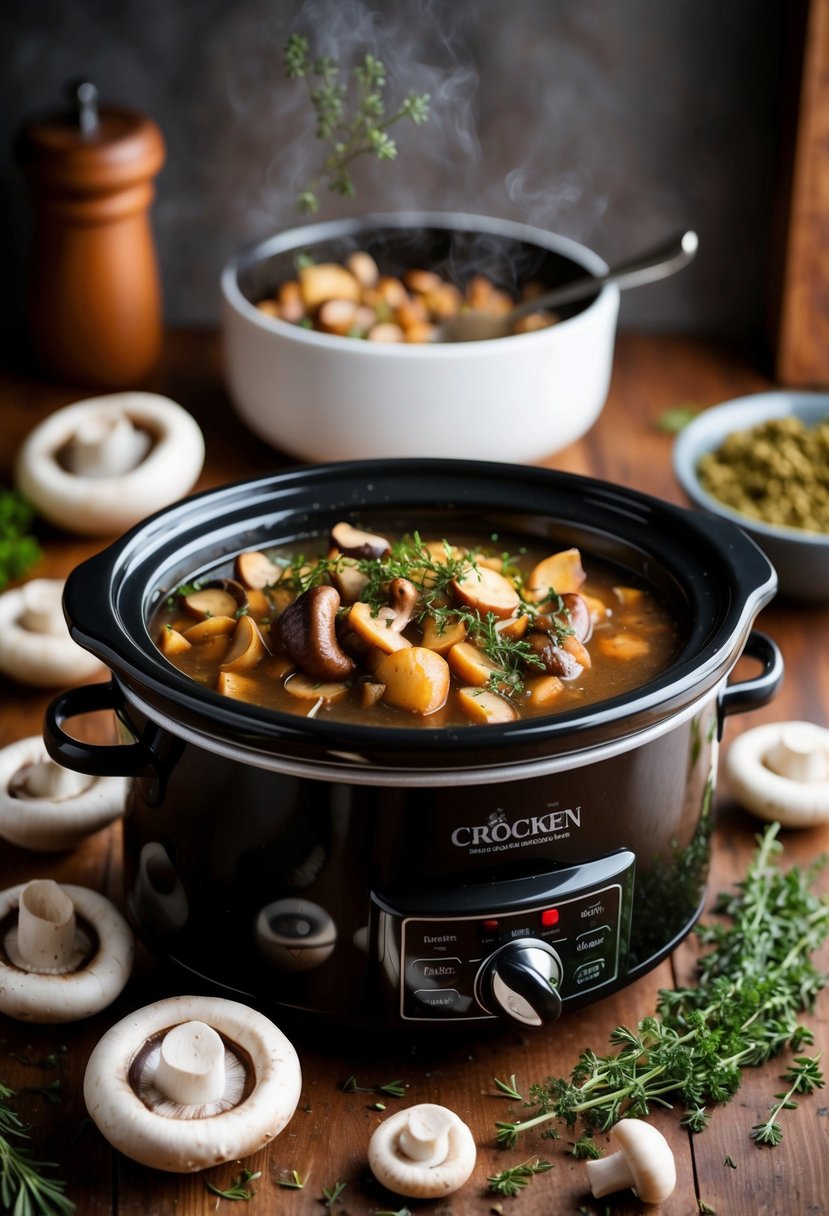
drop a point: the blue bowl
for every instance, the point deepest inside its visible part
(800, 558)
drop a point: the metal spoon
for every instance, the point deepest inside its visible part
(476, 325)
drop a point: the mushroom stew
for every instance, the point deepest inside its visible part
(396, 631)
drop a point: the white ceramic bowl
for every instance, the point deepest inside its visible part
(800, 558)
(316, 396)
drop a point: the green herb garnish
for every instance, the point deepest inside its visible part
(512, 1181)
(239, 1188)
(23, 1188)
(754, 982)
(295, 1182)
(350, 121)
(508, 1088)
(19, 551)
(331, 1194)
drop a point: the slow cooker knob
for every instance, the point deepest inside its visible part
(520, 981)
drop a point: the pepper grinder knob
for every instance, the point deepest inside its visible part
(84, 96)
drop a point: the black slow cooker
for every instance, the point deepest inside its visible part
(418, 877)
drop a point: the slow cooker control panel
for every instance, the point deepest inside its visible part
(518, 948)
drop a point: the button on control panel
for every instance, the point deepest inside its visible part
(433, 947)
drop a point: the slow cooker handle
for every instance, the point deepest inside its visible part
(116, 760)
(744, 695)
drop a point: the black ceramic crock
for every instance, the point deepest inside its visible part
(418, 876)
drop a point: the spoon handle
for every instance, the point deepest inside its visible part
(661, 262)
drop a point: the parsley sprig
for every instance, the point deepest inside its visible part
(19, 550)
(754, 982)
(24, 1189)
(350, 121)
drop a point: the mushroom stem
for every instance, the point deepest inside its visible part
(46, 926)
(799, 754)
(42, 611)
(46, 779)
(609, 1174)
(191, 1065)
(425, 1135)
(106, 445)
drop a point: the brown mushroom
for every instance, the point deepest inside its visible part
(307, 629)
(403, 601)
(354, 542)
(486, 591)
(556, 660)
(221, 597)
(255, 570)
(247, 646)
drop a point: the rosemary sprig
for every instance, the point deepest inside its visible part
(294, 1183)
(331, 1194)
(512, 1180)
(23, 1188)
(239, 1187)
(350, 122)
(508, 1088)
(754, 982)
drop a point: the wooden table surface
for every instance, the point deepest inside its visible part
(326, 1140)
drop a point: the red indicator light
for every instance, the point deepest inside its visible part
(549, 917)
(490, 925)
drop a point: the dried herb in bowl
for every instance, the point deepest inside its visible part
(776, 472)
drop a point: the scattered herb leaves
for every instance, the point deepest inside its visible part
(331, 1194)
(508, 1088)
(754, 982)
(239, 1188)
(295, 1182)
(512, 1180)
(351, 120)
(23, 1188)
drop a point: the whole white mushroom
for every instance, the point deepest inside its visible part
(99, 466)
(424, 1152)
(47, 807)
(643, 1161)
(192, 1081)
(67, 952)
(780, 771)
(35, 645)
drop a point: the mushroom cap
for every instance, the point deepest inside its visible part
(32, 997)
(53, 824)
(422, 1176)
(644, 1162)
(185, 1144)
(45, 659)
(766, 767)
(106, 505)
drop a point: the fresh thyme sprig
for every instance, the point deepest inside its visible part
(754, 982)
(23, 1188)
(512, 1180)
(805, 1077)
(295, 1183)
(349, 125)
(394, 1089)
(508, 1088)
(331, 1194)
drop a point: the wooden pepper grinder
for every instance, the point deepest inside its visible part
(94, 304)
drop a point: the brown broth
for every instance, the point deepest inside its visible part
(632, 640)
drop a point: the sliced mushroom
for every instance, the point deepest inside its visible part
(780, 771)
(403, 599)
(485, 591)
(554, 656)
(255, 570)
(247, 646)
(485, 707)
(67, 952)
(644, 1163)
(424, 1152)
(35, 645)
(377, 628)
(221, 597)
(355, 542)
(47, 807)
(87, 468)
(415, 679)
(307, 629)
(471, 666)
(191, 1082)
(559, 573)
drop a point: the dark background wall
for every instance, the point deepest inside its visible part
(614, 122)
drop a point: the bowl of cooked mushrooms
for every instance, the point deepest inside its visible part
(762, 461)
(333, 339)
